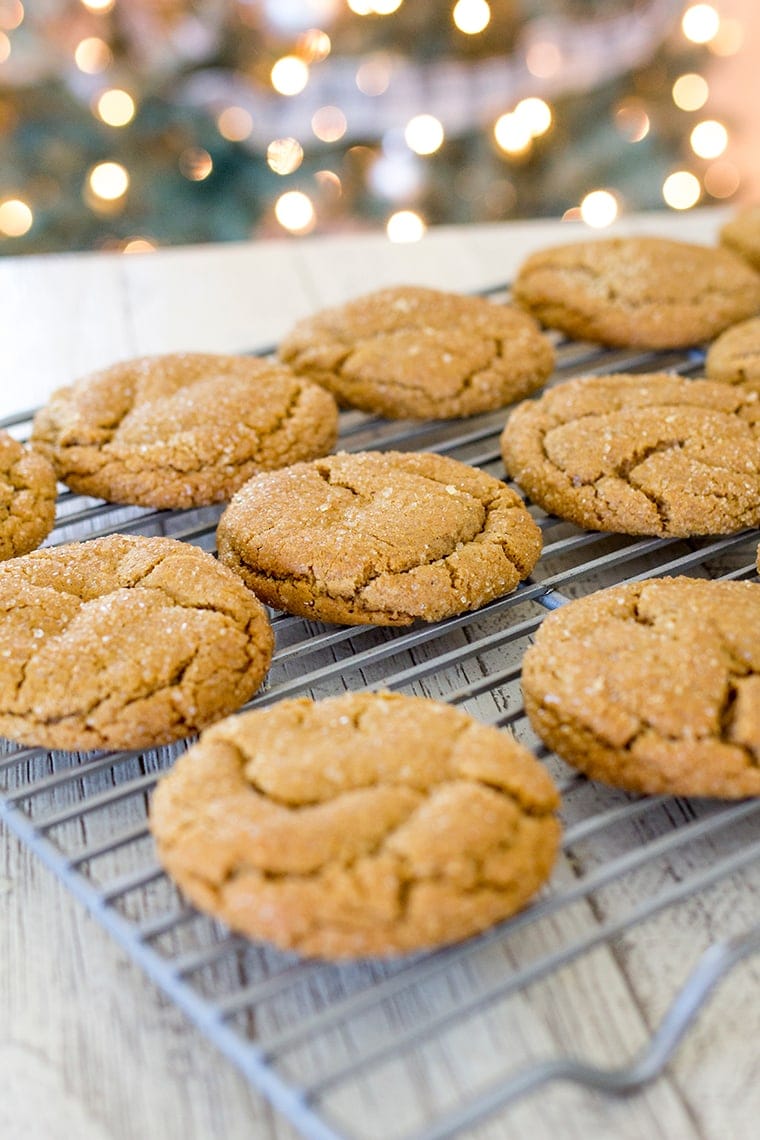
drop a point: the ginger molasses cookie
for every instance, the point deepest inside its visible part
(641, 454)
(653, 686)
(183, 429)
(645, 292)
(366, 824)
(421, 353)
(124, 642)
(734, 357)
(379, 537)
(742, 234)
(27, 498)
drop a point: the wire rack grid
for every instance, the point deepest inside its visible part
(325, 1042)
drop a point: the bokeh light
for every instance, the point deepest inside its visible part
(16, 217)
(632, 120)
(599, 208)
(234, 123)
(471, 16)
(11, 14)
(722, 179)
(709, 139)
(681, 190)
(690, 91)
(290, 75)
(405, 226)
(329, 124)
(284, 155)
(294, 211)
(98, 6)
(115, 107)
(700, 23)
(373, 74)
(536, 114)
(108, 180)
(424, 134)
(512, 133)
(92, 55)
(195, 163)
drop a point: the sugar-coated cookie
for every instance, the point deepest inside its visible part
(421, 353)
(653, 686)
(27, 498)
(742, 234)
(379, 537)
(646, 292)
(366, 824)
(182, 429)
(641, 454)
(124, 642)
(734, 357)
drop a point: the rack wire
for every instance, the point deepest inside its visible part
(324, 1041)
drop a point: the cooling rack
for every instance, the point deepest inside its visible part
(325, 1042)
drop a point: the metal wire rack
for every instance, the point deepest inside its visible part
(323, 1041)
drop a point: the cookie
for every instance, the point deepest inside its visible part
(182, 430)
(421, 353)
(124, 642)
(640, 454)
(742, 235)
(366, 824)
(734, 358)
(645, 292)
(27, 498)
(379, 537)
(653, 686)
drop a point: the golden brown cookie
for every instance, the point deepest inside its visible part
(366, 824)
(27, 498)
(641, 454)
(182, 430)
(638, 291)
(742, 234)
(382, 537)
(421, 353)
(124, 642)
(734, 358)
(653, 686)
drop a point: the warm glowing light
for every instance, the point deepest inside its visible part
(722, 179)
(195, 163)
(599, 209)
(572, 215)
(109, 181)
(424, 134)
(329, 181)
(512, 133)
(536, 114)
(700, 23)
(295, 212)
(374, 74)
(92, 55)
(729, 39)
(290, 75)
(284, 155)
(385, 7)
(543, 59)
(632, 120)
(690, 91)
(709, 139)
(5, 47)
(404, 226)
(11, 14)
(360, 7)
(681, 190)
(115, 107)
(16, 217)
(314, 45)
(99, 6)
(329, 124)
(234, 123)
(471, 16)
(139, 245)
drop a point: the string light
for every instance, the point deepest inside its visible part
(721, 179)
(284, 155)
(11, 14)
(543, 59)
(92, 55)
(700, 23)
(115, 107)
(290, 75)
(471, 16)
(234, 124)
(632, 120)
(729, 38)
(512, 133)
(424, 134)
(295, 212)
(536, 114)
(328, 180)
(709, 139)
(139, 245)
(599, 209)
(329, 124)
(405, 226)
(100, 7)
(386, 7)
(360, 7)
(108, 181)
(373, 74)
(690, 91)
(195, 164)
(314, 45)
(16, 217)
(681, 190)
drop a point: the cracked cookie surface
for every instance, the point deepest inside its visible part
(124, 642)
(27, 498)
(653, 686)
(734, 358)
(742, 235)
(378, 537)
(366, 824)
(641, 454)
(182, 429)
(638, 291)
(421, 353)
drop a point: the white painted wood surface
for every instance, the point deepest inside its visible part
(88, 1048)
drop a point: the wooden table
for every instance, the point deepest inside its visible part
(88, 1048)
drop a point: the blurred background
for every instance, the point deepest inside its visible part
(132, 124)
